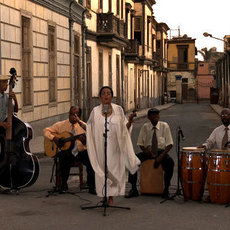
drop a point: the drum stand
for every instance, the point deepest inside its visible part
(178, 190)
(105, 204)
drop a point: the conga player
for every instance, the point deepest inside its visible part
(221, 135)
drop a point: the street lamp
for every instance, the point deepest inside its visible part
(210, 35)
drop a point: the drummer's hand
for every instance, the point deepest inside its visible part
(148, 153)
(202, 146)
(158, 161)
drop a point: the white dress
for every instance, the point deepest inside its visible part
(120, 153)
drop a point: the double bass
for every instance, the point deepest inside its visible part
(19, 168)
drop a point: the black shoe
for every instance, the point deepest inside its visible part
(165, 195)
(132, 193)
(64, 188)
(92, 191)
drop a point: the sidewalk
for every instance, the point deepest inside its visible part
(37, 146)
(217, 108)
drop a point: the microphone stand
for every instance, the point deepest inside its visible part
(105, 200)
(178, 190)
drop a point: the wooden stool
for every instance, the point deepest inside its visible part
(152, 180)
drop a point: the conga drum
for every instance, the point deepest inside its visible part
(218, 176)
(193, 172)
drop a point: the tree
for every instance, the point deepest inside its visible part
(210, 55)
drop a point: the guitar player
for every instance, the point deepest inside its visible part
(77, 127)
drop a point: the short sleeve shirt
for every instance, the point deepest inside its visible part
(163, 132)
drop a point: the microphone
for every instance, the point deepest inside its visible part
(181, 133)
(106, 109)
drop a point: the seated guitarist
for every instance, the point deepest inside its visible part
(78, 153)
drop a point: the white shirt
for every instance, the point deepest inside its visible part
(164, 136)
(216, 137)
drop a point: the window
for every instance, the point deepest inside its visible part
(26, 62)
(110, 70)
(52, 63)
(137, 29)
(122, 9)
(88, 3)
(89, 76)
(148, 33)
(100, 4)
(118, 79)
(100, 69)
(110, 5)
(77, 70)
(182, 56)
(118, 7)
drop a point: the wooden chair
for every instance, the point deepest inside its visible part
(152, 180)
(76, 164)
(79, 165)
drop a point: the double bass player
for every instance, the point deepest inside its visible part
(18, 167)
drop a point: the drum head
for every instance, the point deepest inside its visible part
(225, 151)
(192, 149)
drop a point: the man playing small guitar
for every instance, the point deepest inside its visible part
(76, 152)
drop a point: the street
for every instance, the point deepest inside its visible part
(32, 209)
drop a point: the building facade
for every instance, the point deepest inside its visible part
(182, 69)
(35, 40)
(64, 51)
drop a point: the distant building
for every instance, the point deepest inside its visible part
(181, 82)
(205, 79)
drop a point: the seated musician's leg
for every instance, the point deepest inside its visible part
(84, 158)
(65, 159)
(167, 165)
(133, 177)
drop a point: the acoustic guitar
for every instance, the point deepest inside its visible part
(66, 140)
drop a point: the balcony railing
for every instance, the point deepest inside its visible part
(182, 66)
(108, 23)
(132, 47)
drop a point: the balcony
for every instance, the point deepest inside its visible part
(111, 30)
(184, 66)
(132, 51)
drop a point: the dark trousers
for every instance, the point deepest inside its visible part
(167, 165)
(67, 159)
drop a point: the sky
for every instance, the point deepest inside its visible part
(194, 17)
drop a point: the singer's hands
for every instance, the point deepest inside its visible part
(132, 115)
(130, 119)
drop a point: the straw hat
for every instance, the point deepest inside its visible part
(4, 77)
